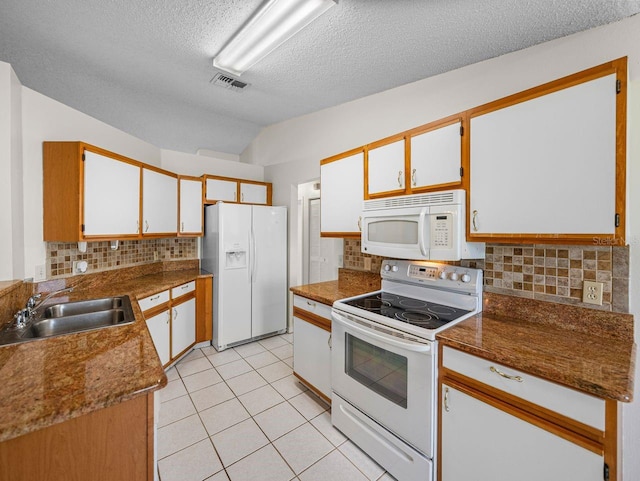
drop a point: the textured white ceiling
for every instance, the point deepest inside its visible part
(144, 66)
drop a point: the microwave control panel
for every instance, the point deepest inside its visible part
(441, 230)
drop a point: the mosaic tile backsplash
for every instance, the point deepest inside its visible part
(100, 256)
(553, 273)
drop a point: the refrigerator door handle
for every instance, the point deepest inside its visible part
(253, 254)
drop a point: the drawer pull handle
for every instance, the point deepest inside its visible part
(473, 221)
(154, 298)
(312, 304)
(446, 399)
(506, 376)
(186, 286)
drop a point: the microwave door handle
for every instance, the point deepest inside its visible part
(421, 226)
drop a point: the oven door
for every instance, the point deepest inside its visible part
(390, 379)
(397, 233)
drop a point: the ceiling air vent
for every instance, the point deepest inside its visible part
(228, 82)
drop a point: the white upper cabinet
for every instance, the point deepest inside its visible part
(386, 168)
(224, 190)
(253, 193)
(547, 165)
(159, 202)
(436, 157)
(341, 195)
(191, 206)
(111, 196)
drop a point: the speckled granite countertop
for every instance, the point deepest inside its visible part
(52, 380)
(589, 350)
(350, 283)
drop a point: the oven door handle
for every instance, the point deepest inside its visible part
(389, 339)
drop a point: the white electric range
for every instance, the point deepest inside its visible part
(384, 361)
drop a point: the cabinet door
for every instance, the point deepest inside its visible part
(341, 195)
(480, 441)
(183, 327)
(436, 157)
(386, 166)
(158, 326)
(225, 190)
(253, 193)
(312, 355)
(111, 196)
(159, 203)
(547, 165)
(190, 206)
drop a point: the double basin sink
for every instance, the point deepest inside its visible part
(69, 317)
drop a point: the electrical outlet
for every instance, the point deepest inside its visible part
(592, 292)
(40, 274)
(367, 263)
(155, 255)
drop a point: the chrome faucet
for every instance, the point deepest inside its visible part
(23, 317)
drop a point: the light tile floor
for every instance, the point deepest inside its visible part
(241, 415)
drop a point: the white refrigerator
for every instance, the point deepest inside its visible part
(245, 248)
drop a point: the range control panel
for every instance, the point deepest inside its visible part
(433, 274)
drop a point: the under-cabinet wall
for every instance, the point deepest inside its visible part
(553, 273)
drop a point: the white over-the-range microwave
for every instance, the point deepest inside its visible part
(420, 226)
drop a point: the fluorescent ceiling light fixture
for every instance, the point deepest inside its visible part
(273, 23)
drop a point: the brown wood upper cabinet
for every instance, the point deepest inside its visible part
(548, 164)
(228, 189)
(423, 159)
(92, 194)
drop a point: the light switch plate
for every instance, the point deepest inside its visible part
(367, 263)
(592, 292)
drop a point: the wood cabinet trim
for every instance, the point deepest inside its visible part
(617, 67)
(312, 318)
(342, 155)
(341, 235)
(568, 429)
(204, 309)
(315, 390)
(207, 200)
(191, 179)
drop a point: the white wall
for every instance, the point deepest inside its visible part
(196, 165)
(631, 412)
(11, 186)
(292, 150)
(46, 119)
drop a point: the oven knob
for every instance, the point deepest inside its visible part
(387, 267)
(442, 275)
(454, 276)
(394, 269)
(465, 278)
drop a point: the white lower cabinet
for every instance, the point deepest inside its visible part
(312, 355)
(488, 434)
(312, 345)
(183, 326)
(159, 328)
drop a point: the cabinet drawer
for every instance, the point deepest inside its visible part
(582, 407)
(154, 300)
(183, 289)
(313, 307)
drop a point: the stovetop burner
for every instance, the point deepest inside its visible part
(425, 314)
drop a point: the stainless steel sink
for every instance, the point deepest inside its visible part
(83, 307)
(69, 317)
